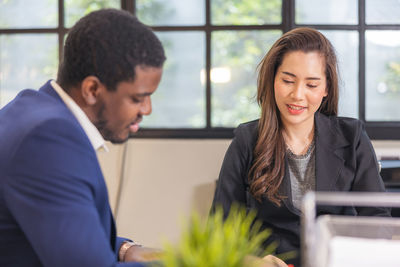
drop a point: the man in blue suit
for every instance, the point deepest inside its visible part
(54, 209)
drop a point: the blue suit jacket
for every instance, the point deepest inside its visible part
(54, 208)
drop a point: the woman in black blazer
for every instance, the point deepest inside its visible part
(299, 143)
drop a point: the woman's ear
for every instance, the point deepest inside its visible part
(91, 87)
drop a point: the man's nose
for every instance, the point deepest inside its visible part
(145, 108)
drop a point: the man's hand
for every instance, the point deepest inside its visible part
(141, 254)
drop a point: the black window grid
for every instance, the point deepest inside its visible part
(379, 130)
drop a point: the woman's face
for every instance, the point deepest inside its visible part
(299, 86)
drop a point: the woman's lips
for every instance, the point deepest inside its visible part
(294, 109)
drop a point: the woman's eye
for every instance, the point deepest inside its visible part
(312, 85)
(287, 81)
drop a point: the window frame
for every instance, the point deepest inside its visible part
(377, 130)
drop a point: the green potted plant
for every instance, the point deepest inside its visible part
(232, 242)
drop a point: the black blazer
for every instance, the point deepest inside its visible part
(345, 161)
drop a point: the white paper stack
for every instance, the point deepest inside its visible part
(365, 252)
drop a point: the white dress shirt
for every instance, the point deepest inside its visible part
(91, 131)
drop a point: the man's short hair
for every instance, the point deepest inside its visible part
(108, 44)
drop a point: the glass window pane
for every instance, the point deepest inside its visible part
(75, 9)
(28, 14)
(382, 75)
(26, 61)
(179, 102)
(382, 11)
(235, 56)
(346, 46)
(326, 12)
(171, 12)
(249, 12)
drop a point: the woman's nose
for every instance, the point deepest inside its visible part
(298, 92)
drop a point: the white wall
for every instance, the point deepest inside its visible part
(164, 180)
(386, 148)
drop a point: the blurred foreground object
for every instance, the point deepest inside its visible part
(233, 242)
(344, 241)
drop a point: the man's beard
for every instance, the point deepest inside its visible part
(101, 125)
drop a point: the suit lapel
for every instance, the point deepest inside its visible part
(286, 190)
(113, 232)
(329, 146)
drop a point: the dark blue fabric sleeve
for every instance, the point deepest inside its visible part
(54, 190)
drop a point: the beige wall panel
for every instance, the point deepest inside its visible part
(164, 181)
(111, 163)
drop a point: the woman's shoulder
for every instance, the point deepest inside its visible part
(247, 129)
(246, 133)
(344, 122)
(350, 128)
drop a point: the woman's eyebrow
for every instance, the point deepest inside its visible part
(307, 78)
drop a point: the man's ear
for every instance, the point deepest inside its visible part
(91, 87)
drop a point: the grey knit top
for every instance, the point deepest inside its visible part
(302, 173)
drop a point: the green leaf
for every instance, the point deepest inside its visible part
(219, 242)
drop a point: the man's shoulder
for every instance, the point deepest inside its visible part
(31, 108)
(33, 114)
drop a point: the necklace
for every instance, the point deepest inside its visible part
(306, 149)
(304, 154)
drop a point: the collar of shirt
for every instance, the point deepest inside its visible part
(91, 131)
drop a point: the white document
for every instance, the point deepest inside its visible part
(365, 252)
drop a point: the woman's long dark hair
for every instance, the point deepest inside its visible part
(268, 169)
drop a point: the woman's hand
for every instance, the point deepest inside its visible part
(274, 261)
(267, 261)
